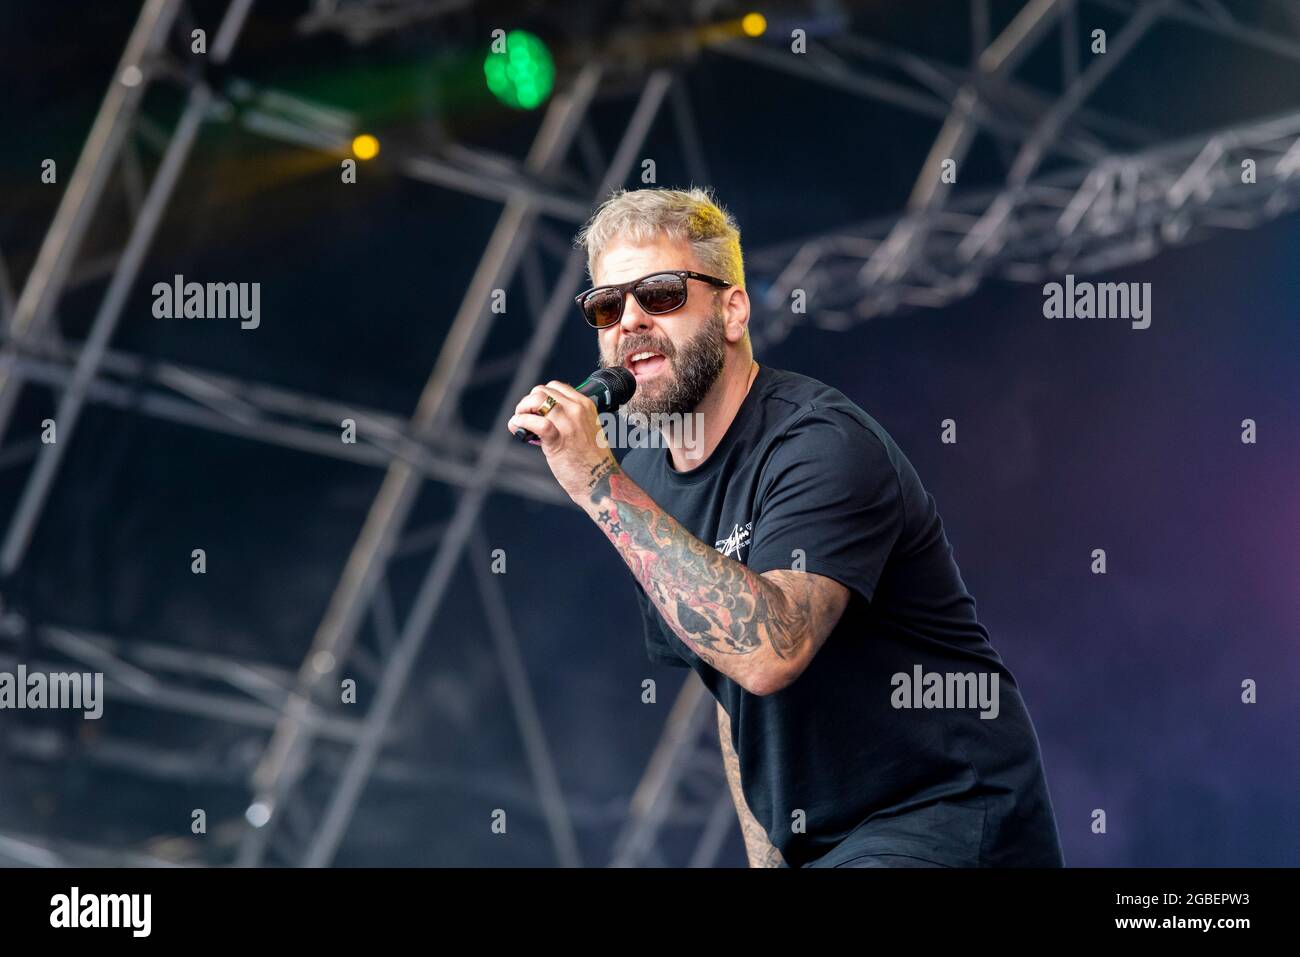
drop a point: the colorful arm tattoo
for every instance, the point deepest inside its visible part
(716, 605)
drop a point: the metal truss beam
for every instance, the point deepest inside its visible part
(29, 850)
(279, 416)
(1224, 25)
(993, 65)
(291, 118)
(990, 227)
(528, 716)
(1123, 210)
(287, 753)
(362, 22)
(687, 759)
(147, 675)
(85, 188)
(229, 764)
(63, 242)
(823, 66)
(432, 590)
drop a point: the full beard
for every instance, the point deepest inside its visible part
(692, 371)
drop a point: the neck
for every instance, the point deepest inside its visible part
(715, 414)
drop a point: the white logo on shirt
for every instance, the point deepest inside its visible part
(733, 543)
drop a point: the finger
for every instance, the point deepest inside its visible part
(533, 400)
(566, 391)
(539, 425)
(563, 402)
(512, 426)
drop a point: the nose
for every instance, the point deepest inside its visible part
(634, 319)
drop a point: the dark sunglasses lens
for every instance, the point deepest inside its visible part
(603, 308)
(658, 294)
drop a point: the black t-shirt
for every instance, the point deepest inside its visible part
(833, 766)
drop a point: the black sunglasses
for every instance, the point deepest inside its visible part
(656, 293)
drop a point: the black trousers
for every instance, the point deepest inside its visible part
(889, 860)
(975, 832)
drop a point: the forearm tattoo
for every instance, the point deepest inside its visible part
(714, 603)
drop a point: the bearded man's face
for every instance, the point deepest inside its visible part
(689, 344)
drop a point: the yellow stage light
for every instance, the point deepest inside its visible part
(754, 24)
(365, 147)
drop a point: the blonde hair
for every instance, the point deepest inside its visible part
(641, 215)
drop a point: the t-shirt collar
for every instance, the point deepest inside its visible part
(739, 425)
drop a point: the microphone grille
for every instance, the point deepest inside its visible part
(620, 382)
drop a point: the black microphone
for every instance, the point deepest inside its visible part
(609, 388)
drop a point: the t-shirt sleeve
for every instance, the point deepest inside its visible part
(831, 491)
(656, 645)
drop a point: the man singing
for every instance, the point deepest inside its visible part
(790, 555)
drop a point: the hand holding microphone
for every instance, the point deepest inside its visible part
(609, 388)
(563, 421)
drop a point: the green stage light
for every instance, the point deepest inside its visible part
(523, 75)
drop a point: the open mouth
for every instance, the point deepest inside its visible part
(646, 363)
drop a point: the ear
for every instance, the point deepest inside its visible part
(735, 313)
